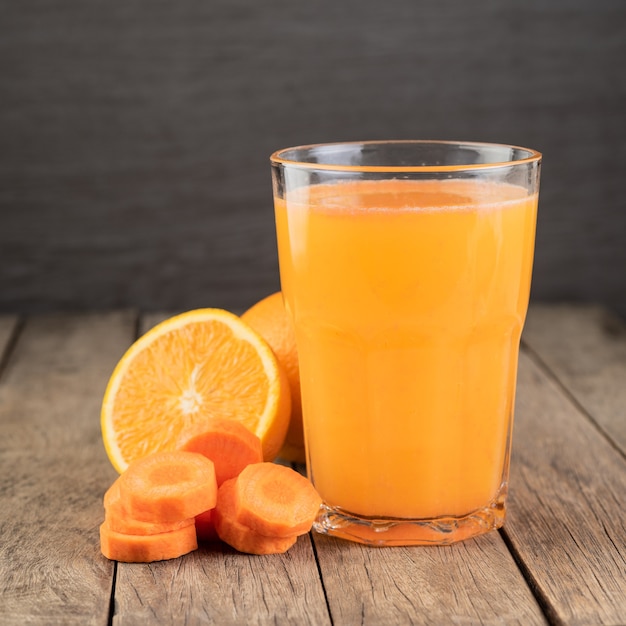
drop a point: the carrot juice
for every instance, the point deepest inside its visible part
(408, 299)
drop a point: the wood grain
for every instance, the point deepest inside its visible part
(475, 582)
(216, 585)
(566, 507)
(585, 348)
(135, 137)
(564, 540)
(54, 471)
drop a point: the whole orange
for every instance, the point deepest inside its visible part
(270, 319)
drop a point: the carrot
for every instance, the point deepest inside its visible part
(229, 444)
(236, 534)
(205, 527)
(146, 548)
(275, 500)
(120, 521)
(168, 486)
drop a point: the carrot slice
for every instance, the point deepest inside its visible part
(120, 521)
(275, 500)
(229, 444)
(205, 527)
(146, 548)
(236, 534)
(168, 486)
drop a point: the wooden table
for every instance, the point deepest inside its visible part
(560, 559)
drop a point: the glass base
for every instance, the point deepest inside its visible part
(409, 532)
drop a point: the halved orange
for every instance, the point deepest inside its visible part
(200, 364)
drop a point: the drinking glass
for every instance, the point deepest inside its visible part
(406, 269)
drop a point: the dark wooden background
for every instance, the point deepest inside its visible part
(134, 135)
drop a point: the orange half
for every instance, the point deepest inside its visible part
(192, 367)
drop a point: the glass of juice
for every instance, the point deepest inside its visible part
(406, 268)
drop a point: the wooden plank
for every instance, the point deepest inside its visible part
(54, 471)
(585, 348)
(216, 585)
(473, 582)
(365, 585)
(566, 508)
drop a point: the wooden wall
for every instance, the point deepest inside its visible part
(134, 135)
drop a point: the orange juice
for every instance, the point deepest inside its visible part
(408, 298)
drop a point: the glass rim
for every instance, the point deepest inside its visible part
(277, 158)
